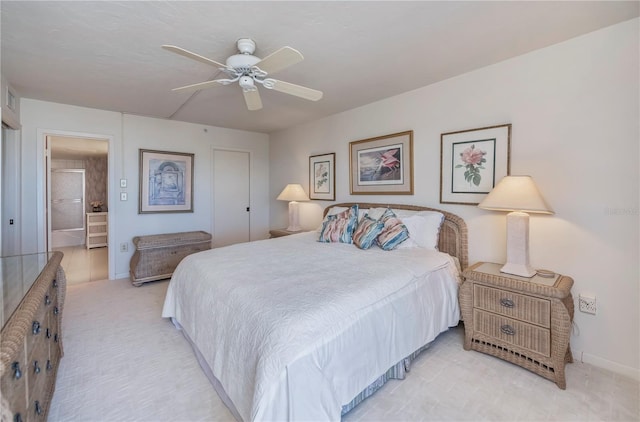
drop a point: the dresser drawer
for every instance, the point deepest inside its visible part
(514, 332)
(522, 307)
(13, 386)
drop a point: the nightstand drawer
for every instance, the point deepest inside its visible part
(525, 308)
(507, 330)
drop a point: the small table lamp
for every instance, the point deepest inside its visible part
(520, 195)
(293, 193)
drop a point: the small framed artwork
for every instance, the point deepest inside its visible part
(322, 177)
(382, 165)
(166, 182)
(472, 162)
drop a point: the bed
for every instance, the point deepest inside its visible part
(295, 329)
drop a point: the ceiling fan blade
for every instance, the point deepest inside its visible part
(293, 89)
(279, 60)
(252, 98)
(194, 56)
(202, 85)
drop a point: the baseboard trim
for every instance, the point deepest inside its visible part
(624, 370)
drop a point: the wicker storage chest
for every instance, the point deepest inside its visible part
(158, 255)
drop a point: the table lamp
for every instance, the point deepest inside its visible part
(520, 195)
(293, 193)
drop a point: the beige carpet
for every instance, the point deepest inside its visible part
(124, 363)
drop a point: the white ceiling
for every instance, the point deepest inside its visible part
(107, 54)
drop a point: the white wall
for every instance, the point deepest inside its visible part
(575, 113)
(127, 135)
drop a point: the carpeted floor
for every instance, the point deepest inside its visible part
(123, 362)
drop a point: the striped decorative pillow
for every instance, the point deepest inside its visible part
(340, 227)
(394, 232)
(366, 232)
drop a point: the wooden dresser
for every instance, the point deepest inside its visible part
(33, 289)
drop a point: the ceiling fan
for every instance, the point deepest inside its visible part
(250, 71)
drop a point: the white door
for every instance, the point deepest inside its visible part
(231, 210)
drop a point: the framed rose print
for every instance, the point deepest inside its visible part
(382, 165)
(322, 177)
(472, 162)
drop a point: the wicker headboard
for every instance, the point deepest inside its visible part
(453, 233)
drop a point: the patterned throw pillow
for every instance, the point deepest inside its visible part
(394, 232)
(340, 227)
(366, 232)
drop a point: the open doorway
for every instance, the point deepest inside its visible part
(78, 205)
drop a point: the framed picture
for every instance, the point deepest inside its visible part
(322, 179)
(472, 162)
(166, 182)
(382, 165)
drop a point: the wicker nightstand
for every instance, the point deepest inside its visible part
(281, 232)
(526, 321)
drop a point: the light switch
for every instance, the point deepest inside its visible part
(123, 183)
(123, 196)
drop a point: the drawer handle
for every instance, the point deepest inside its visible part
(38, 408)
(35, 328)
(55, 283)
(56, 310)
(17, 418)
(36, 368)
(48, 333)
(55, 337)
(47, 300)
(49, 365)
(508, 330)
(507, 303)
(17, 373)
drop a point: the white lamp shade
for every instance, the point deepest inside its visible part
(516, 193)
(520, 195)
(293, 192)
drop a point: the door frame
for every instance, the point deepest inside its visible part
(213, 193)
(43, 168)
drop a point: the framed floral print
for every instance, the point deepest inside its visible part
(166, 182)
(382, 165)
(472, 162)
(322, 177)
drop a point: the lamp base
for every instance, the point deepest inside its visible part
(518, 245)
(294, 225)
(523, 270)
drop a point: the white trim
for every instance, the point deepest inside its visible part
(112, 190)
(603, 363)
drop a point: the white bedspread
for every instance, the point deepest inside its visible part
(293, 328)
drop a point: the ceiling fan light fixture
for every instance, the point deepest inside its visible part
(246, 82)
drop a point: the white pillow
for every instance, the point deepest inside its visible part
(424, 229)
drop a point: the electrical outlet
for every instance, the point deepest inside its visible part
(587, 304)
(124, 247)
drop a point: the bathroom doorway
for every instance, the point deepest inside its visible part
(77, 174)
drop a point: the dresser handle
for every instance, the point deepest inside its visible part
(55, 337)
(17, 373)
(36, 368)
(507, 303)
(17, 418)
(55, 283)
(56, 310)
(48, 333)
(508, 330)
(47, 300)
(35, 328)
(38, 408)
(49, 365)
